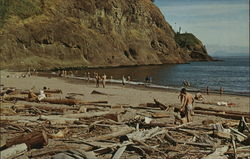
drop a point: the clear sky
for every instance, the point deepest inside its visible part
(222, 25)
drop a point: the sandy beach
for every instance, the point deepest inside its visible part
(118, 95)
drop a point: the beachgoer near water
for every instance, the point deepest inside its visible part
(147, 79)
(34, 72)
(128, 79)
(58, 73)
(186, 103)
(104, 77)
(123, 80)
(150, 79)
(207, 90)
(29, 73)
(186, 83)
(97, 78)
(88, 76)
(221, 90)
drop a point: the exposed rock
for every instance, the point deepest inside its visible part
(45, 34)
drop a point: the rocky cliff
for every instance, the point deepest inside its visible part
(46, 34)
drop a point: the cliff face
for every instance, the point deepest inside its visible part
(68, 33)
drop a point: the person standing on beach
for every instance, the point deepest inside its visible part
(150, 79)
(29, 73)
(187, 101)
(221, 90)
(207, 90)
(128, 79)
(97, 79)
(88, 76)
(147, 79)
(104, 77)
(123, 80)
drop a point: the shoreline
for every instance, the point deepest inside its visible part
(155, 86)
(116, 94)
(68, 68)
(139, 84)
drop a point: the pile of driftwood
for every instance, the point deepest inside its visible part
(69, 128)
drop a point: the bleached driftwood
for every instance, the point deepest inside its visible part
(13, 151)
(218, 153)
(119, 152)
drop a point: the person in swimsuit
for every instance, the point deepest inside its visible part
(187, 101)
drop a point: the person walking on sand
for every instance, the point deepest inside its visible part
(104, 77)
(187, 101)
(123, 80)
(97, 79)
(88, 77)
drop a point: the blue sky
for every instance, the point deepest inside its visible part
(222, 25)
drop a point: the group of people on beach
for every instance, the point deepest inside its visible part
(64, 73)
(103, 79)
(99, 78)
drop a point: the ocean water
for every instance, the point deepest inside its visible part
(231, 73)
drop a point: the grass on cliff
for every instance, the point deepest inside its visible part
(20, 8)
(186, 39)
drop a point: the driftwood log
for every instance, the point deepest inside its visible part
(175, 142)
(112, 135)
(32, 140)
(228, 116)
(71, 101)
(247, 114)
(159, 104)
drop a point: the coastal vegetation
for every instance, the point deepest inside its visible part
(21, 8)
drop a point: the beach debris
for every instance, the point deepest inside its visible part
(218, 153)
(60, 133)
(32, 140)
(243, 125)
(97, 92)
(56, 128)
(159, 104)
(73, 95)
(13, 151)
(222, 113)
(222, 103)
